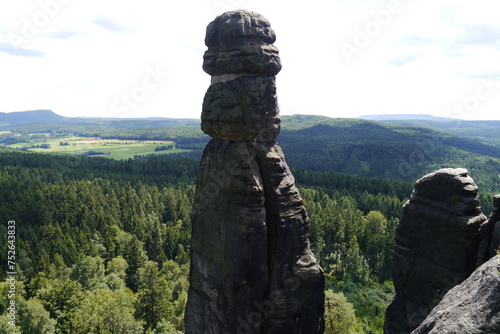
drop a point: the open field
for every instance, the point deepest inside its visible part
(110, 148)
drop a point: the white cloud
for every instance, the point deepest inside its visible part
(90, 53)
(111, 25)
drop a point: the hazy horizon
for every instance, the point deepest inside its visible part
(340, 58)
(373, 117)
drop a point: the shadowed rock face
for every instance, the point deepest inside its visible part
(472, 307)
(490, 234)
(251, 267)
(437, 243)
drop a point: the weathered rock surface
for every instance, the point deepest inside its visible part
(241, 42)
(243, 109)
(490, 234)
(472, 307)
(241, 103)
(251, 267)
(437, 243)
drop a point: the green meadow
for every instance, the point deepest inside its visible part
(109, 148)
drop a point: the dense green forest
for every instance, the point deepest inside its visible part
(399, 153)
(102, 245)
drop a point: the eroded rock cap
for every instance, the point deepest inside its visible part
(240, 42)
(450, 189)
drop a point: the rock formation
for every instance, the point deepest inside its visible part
(490, 234)
(437, 243)
(251, 267)
(472, 307)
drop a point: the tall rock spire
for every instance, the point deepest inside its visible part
(251, 267)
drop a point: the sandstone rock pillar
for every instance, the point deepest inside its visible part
(437, 243)
(251, 267)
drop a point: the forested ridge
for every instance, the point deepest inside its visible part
(102, 245)
(399, 153)
(322, 144)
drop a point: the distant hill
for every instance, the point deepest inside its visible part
(41, 120)
(388, 117)
(21, 118)
(370, 148)
(398, 149)
(483, 131)
(487, 132)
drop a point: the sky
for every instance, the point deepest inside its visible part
(122, 58)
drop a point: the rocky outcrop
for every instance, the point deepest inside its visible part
(437, 243)
(251, 267)
(490, 234)
(472, 307)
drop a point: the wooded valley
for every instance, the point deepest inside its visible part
(103, 244)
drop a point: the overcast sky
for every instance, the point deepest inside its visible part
(122, 58)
